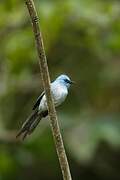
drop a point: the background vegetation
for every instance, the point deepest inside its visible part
(82, 39)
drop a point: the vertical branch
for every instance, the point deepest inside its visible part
(46, 83)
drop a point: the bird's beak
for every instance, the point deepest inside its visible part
(73, 82)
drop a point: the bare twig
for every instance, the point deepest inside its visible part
(46, 82)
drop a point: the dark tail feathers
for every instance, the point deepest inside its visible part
(31, 123)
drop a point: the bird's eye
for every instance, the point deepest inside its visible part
(67, 81)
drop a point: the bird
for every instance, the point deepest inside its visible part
(59, 90)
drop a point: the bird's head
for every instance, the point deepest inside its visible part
(64, 80)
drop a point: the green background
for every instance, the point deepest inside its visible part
(82, 40)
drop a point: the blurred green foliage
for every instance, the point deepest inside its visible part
(82, 39)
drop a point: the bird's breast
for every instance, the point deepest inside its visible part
(59, 94)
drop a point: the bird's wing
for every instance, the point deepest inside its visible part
(38, 101)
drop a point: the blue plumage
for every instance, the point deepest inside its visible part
(59, 90)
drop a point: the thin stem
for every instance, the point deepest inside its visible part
(46, 83)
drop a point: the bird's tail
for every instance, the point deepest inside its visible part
(31, 123)
(28, 124)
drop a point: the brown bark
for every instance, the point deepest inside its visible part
(46, 83)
